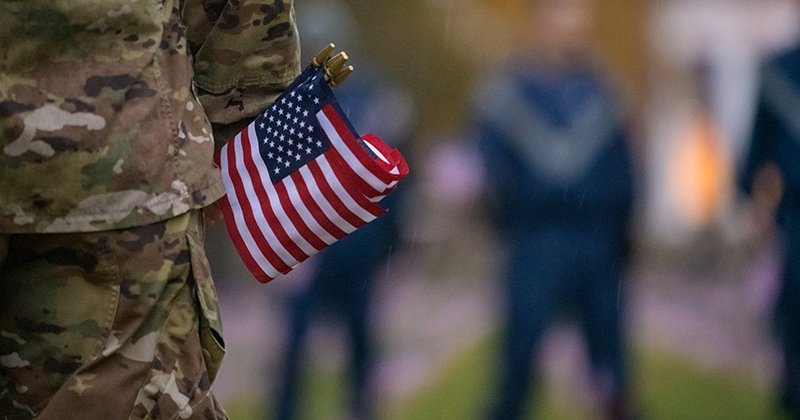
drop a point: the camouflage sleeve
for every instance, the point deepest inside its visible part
(245, 53)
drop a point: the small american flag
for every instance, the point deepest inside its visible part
(299, 178)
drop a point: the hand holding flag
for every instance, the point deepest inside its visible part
(299, 178)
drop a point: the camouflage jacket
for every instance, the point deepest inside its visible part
(106, 107)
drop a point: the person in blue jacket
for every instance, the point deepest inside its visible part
(561, 180)
(772, 173)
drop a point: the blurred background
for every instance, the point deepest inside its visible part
(702, 274)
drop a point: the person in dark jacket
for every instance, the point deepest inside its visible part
(771, 174)
(562, 182)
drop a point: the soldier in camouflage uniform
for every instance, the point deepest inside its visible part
(109, 111)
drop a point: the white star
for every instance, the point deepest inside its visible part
(280, 111)
(289, 105)
(282, 137)
(280, 148)
(270, 155)
(308, 150)
(292, 94)
(302, 124)
(297, 157)
(294, 120)
(285, 126)
(269, 130)
(316, 101)
(265, 141)
(319, 144)
(298, 109)
(310, 128)
(305, 113)
(291, 131)
(277, 170)
(287, 163)
(301, 136)
(283, 101)
(262, 125)
(299, 97)
(271, 118)
(290, 153)
(280, 159)
(291, 142)
(272, 144)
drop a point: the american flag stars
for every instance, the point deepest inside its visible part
(288, 135)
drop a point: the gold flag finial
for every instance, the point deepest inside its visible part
(340, 77)
(323, 55)
(335, 64)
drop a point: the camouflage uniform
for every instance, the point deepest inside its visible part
(106, 141)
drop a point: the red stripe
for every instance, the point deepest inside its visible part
(356, 148)
(314, 208)
(357, 184)
(331, 196)
(352, 183)
(238, 242)
(297, 221)
(247, 212)
(392, 155)
(261, 193)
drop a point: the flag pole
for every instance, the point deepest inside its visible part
(335, 69)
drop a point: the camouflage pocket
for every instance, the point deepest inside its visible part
(210, 321)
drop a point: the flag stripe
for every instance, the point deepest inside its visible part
(291, 211)
(341, 192)
(355, 185)
(330, 122)
(286, 231)
(319, 208)
(263, 223)
(294, 193)
(348, 181)
(244, 251)
(331, 197)
(270, 266)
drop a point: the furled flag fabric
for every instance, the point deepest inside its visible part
(299, 178)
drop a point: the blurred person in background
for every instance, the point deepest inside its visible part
(344, 275)
(562, 179)
(771, 177)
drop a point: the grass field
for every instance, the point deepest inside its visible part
(667, 387)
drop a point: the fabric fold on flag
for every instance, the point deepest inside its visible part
(299, 178)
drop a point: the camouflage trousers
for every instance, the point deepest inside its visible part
(111, 325)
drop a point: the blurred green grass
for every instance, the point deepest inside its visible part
(666, 387)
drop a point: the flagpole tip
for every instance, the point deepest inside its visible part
(340, 77)
(323, 55)
(335, 65)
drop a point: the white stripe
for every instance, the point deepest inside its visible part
(274, 199)
(306, 215)
(341, 192)
(258, 212)
(348, 155)
(375, 150)
(323, 203)
(238, 217)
